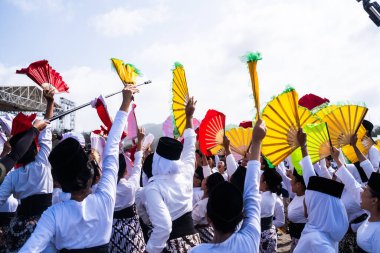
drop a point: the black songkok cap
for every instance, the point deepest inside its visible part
(368, 126)
(374, 182)
(169, 148)
(327, 186)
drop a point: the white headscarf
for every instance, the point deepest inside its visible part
(163, 166)
(326, 214)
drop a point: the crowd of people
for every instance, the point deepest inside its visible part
(73, 199)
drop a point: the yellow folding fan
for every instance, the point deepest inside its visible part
(322, 112)
(364, 143)
(318, 141)
(126, 71)
(240, 140)
(180, 98)
(343, 122)
(283, 118)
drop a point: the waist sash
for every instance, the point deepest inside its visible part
(295, 229)
(5, 218)
(182, 226)
(34, 205)
(125, 213)
(97, 249)
(266, 223)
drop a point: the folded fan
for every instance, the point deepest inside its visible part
(126, 71)
(364, 143)
(45, 76)
(240, 140)
(180, 98)
(283, 118)
(251, 59)
(343, 122)
(211, 132)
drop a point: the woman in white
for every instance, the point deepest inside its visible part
(83, 223)
(225, 208)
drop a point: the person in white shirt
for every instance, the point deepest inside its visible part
(327, 218)
(32, 181)
(169, 192)
(279, 213)
(373, 153)
(225, 208)
(83, 223)
(296, 210)
(127, 235)
(270, 187)
(202, 226)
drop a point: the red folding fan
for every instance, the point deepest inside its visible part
(45, 76)
(310, 101)
(211, 132)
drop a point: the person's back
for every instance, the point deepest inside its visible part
(224, 205)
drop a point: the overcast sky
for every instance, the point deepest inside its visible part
(326, 47)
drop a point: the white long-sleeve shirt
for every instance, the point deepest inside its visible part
(279, 214)
(140, 201)
(199, 212)
(268, 201)
(374, 157)
(231, 165)
(76, 225)
(296, 210)
(168, 197)
(35, 177)
(247, 238)
(126, 188)
(368, 237)
(9, 206)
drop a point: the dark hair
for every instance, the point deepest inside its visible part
(30, 154)
(238, 178)
(70, 165)
(147, 166)
(225, 207)
(212, 181)
(374, 194)
(273, 180)
(199, 153)
(122, 167)
(299, 179)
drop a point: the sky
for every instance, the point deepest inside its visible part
(329, 48)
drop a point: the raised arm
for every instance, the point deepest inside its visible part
(110, 166)
(188, 152)
(307, 167)
(49, 96)
(251, 195)
(20, 147)
(230, 160)
(134, 178)
(349, 181)
(206, 168)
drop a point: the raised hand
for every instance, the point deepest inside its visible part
(353, 140)
(140, 138)
(40, 124)
(190, 107)
(48, 95)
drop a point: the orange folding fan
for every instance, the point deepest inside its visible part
(45, 76)
(240, 140)
(283, 118)
(211, 132)
(180, 98)
(343, 122)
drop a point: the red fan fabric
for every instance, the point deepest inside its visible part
(132, 124)
(213, 122)
(310, 101)
(246, 124)
(42, 73)
(101, 108)
(22, 122)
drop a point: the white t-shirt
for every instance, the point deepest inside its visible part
(368, 236)
(76, 225)
(247, 238)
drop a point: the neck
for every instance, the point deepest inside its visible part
(220, 237)
(80, 195)
(300, 193)
(374, 216)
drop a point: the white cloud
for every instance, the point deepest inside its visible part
(123, 22)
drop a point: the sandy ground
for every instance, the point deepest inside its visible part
(283, 242)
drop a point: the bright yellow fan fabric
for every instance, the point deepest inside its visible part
(240, 140)
(343, 122)
(318, 141)
(364, 143)
(255, 85)
(180, 99)
(283, 118)
(126, 72)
